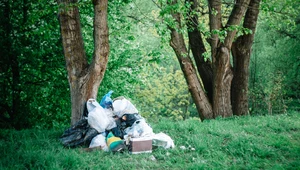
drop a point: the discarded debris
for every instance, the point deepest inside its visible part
(114, 125)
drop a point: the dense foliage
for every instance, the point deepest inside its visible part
(34, 88)
(33, 80)
(275, 64)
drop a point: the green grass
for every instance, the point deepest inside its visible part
(250, 142)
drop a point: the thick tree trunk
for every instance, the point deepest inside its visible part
(198, 49)
(221, 55)
(222, 74)
(239, 90)
(74, 55)
(177, 43)
(84, 79)
(241, 51)
(222, 83)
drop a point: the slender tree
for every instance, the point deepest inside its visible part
(178, 44)
(84, 78)
(198, 48)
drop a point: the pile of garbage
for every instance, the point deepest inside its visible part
(114, 125)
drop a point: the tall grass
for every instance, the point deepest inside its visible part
(260, 142)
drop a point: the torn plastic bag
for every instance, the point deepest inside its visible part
(162, 140)
(99, 118)
(123, 106)
(78, 135)
(139, 129)
(106, 101)
(99, 141)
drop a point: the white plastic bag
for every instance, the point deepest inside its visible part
(97, 141)
(163, 140)
(139, 129)
(99, 118)
(92, 104)
(122, 106)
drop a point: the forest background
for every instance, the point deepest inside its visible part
(142, 66)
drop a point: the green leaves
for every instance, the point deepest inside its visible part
(275, 64)
(280, 14)
(164, 93)
(42, 78)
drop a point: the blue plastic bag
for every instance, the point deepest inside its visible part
(106, 101)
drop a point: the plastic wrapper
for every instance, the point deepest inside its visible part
(162, 140)
(106, 101)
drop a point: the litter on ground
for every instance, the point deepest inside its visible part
(114, 126)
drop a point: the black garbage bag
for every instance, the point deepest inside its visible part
(127, 120)
(80, 134)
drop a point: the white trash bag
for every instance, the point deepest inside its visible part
(162, 140)
(139, 129)
(99, 141)
(99, 118)
(121, 106)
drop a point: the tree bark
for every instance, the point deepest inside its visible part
(84, 79)
(241, 52)
(177, 43)
(198, 49)
(222, 71)
(222, 83)
(200, 99)
(215, 23)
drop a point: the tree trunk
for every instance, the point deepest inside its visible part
(241, 51)
(222, 74)
(200, 99)
(221, 55)
(222, 83)
(198, 49)
(177, 43)
(84, 79)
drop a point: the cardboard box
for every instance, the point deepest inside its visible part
(140, 145)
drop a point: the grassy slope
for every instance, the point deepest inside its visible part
(260, 142)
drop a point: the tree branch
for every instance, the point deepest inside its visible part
(101, 45)
(215, 23)
(198, 48)
(235, 18)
